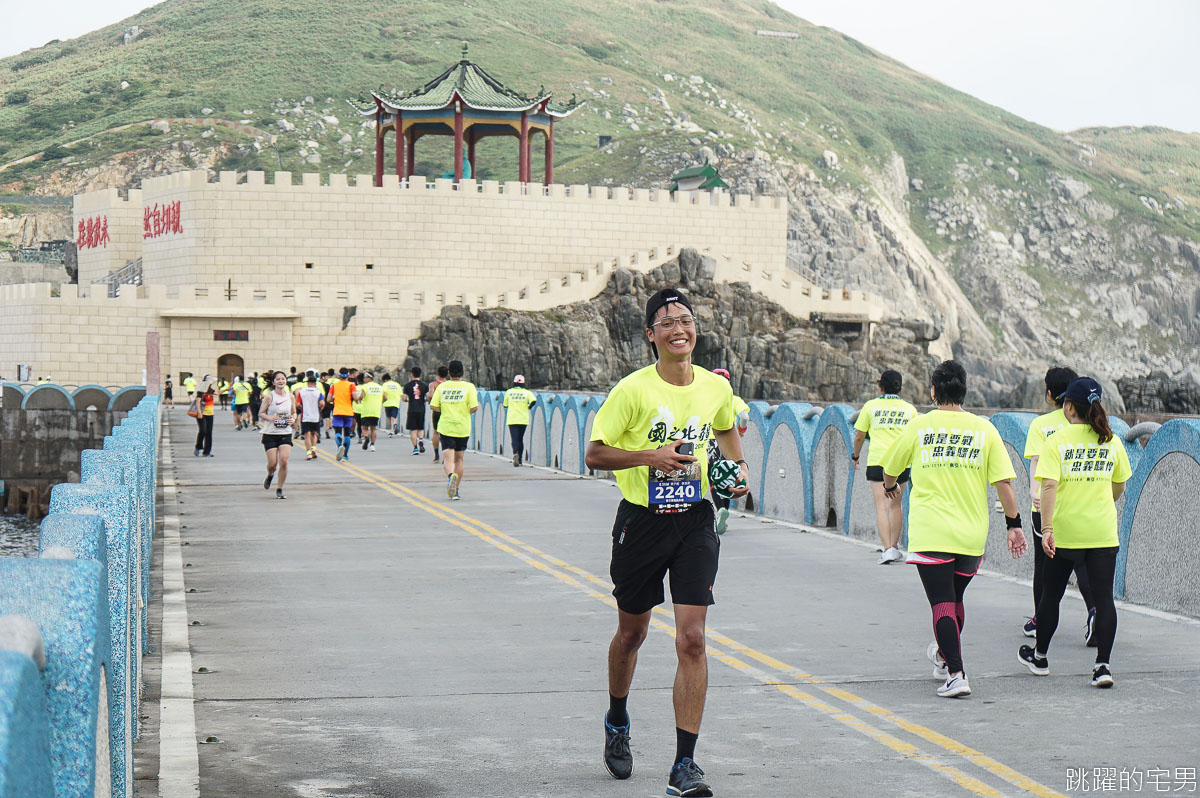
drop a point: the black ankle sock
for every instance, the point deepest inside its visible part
(617, 714)
(685, 745)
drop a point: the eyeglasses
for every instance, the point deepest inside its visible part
(668, 323)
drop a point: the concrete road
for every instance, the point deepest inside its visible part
(367, 637)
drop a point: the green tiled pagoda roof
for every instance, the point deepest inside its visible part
(712, 178)
(472, 84)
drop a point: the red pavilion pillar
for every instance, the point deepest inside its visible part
(412, 152)
(523, 144)
(399, 146)
(458, 141)
(378, 144)
(550, 154)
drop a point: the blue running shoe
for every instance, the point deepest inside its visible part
(687, 781)
(618, 758)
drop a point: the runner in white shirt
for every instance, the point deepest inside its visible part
(312, 402)
(278, 414)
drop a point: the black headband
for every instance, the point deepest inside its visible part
(663, 298)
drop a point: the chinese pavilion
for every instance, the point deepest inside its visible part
(469, 104)
(698, 178)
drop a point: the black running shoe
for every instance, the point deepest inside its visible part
(618, 758)
(267, 481)
(1101, 676)
(687, 779)
(1089, 629)
(1038, 666)
(421, 443)
(279, 493)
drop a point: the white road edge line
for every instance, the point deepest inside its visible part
(178, 756)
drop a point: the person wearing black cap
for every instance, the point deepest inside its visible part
(1057, 379)
(652, 433)
(1083, 470)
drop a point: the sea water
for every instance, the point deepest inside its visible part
(18, 536)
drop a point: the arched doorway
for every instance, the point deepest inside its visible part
(230, 366)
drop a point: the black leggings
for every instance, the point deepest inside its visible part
(517, 433)
(945, 583)
(1039, 567)
(1101, 566)
(204, 426)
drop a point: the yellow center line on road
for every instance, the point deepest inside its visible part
(528, 554)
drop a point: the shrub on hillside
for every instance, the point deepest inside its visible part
(16, 97)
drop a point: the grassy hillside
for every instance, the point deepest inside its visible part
(796, 97)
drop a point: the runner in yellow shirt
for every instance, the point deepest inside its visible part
(954, 455)
(371, 409)
(241, 403)
(454, 401)
(518, 401)
(1041, 428)
(881, 420)
(1083, 469)
(391, 404)
(652, 432)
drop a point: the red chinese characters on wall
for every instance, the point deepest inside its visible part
(161, 220)
(92, 233)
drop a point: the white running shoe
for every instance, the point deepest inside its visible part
(939, 664)
(885, 557)
(955, 686)
(372, 447)
(897, 555)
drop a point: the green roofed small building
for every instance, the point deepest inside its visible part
(698, 178)
(469, 104)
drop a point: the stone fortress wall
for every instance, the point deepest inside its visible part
(416, 233)
(230, 256)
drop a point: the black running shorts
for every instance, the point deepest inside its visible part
(415, 420)
(310, 426)
(451, 443)
(647, 546)
(369, 421)
(270, 442)
(875, 474)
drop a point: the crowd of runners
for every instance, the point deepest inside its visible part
(670, 433)
(346, 407)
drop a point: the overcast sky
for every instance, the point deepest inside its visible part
(1065, 64)
(1062, 63)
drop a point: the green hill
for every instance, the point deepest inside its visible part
(798, 97)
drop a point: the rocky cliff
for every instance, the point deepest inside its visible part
(590, 345)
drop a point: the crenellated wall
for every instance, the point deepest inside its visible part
(124, 221)
(417, 232)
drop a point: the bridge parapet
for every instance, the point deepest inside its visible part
(85, 595)
(799, 459)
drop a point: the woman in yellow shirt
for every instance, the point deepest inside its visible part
(881, 419)
(954, 455)
(1083, 470)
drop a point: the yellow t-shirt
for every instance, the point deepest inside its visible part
(1040, 429)
(1085, 515)
(644, 411)
(189, 384)
(372, 401)
(393, 393)
(518, 400)
(953, 457)
(241, 393)
(882, 419)
(454, 400)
